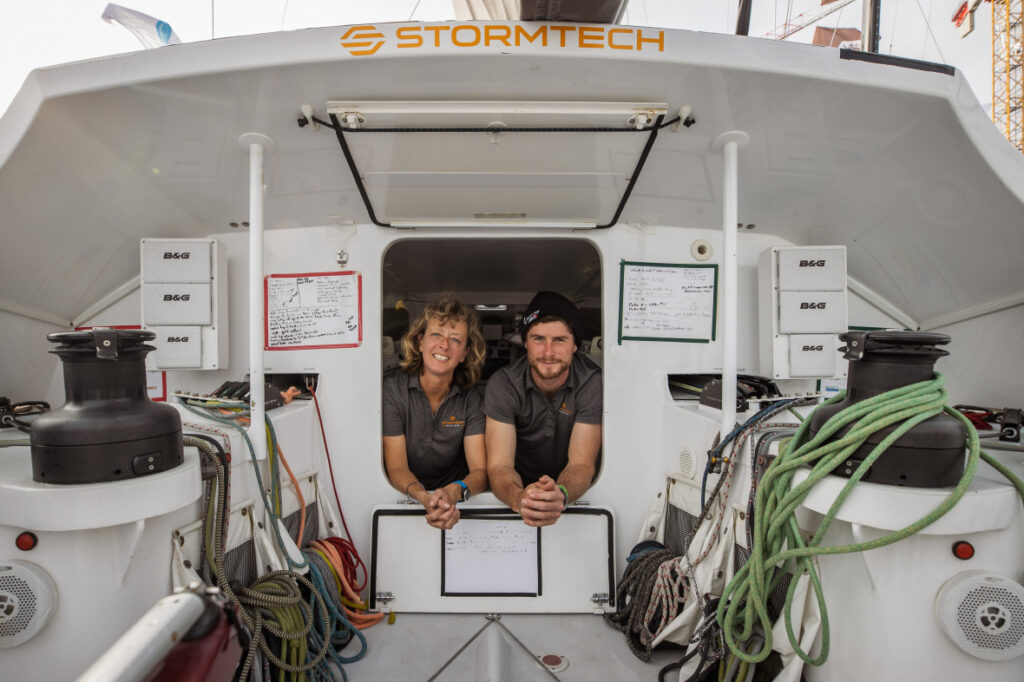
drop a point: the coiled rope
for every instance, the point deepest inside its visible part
(653, 587)
(270, 506)
(778, 546)
(274, 603)
(633, 594)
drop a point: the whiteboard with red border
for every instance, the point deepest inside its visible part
(312, 310)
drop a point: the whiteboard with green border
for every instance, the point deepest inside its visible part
(667, 302)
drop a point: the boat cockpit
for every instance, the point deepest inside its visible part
(754, 234)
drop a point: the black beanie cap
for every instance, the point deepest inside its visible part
(551, 303)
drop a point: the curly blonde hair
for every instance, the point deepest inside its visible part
(447, 309)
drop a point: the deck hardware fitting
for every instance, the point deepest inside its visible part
(309, 116)
(639, 121)
(684, 119)
(352, 120)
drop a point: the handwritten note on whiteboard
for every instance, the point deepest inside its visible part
(667, 302)
(313, 310)
(491, 556)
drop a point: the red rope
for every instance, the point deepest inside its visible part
(350, 561)
(346, 548)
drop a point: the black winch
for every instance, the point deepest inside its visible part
(930, 455)
(108, 429)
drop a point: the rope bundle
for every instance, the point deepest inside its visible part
(778, 546)
(274, 604)
(274, 609)
(634, 595)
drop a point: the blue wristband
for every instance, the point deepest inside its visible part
(465, 490)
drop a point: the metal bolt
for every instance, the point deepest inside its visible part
(188, 564)
(260, 525)
(106, 342)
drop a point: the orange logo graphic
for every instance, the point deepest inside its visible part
(366, 40)
(452, 421)
(565, 410)
(359, 40)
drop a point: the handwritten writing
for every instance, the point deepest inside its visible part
(305, 310)
(491, 556)
(671, 302)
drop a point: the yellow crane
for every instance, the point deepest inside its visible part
(1007, 62)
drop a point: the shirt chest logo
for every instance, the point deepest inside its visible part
(563, 409)
(452, 423)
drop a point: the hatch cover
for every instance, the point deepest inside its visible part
(492, 562)
(531, 164)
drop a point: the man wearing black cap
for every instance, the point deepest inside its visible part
(544, 416)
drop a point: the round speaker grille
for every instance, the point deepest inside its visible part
(28, 599)
(983, 614)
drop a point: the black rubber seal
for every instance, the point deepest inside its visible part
(891, 60)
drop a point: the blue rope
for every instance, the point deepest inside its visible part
(337, 614)
(761, 416)
(338, 624)
(272, 517)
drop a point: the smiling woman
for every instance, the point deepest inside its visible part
(433, 419)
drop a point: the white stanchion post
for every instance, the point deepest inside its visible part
(257, 145)
(729, 144)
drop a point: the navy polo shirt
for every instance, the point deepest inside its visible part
(433, 442)
(543, 427)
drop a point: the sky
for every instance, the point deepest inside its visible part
(72, 30)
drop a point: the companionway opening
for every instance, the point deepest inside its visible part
(497, 278)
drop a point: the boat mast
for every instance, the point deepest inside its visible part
(743, 18)
(870, 22)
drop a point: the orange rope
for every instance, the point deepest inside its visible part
(298, 493)
(359, 619)
(334, 560)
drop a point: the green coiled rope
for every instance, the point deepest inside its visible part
(778, 546)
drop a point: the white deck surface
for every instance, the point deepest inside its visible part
(421, 646)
